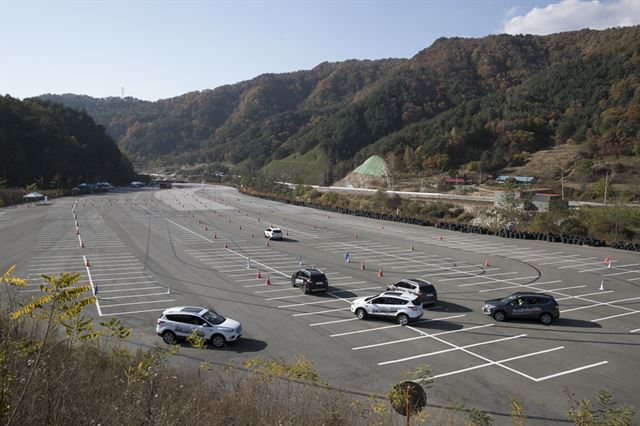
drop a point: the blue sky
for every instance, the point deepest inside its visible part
(161, 49)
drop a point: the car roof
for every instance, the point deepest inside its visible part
(187, 309)
(400, 294)
(312, 271)
(530, 293)
(418, 281)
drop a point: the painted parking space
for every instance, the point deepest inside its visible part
(123, 286)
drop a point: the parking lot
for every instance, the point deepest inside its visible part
(145, 251)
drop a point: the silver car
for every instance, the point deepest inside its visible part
(403, 307)
(179, 323)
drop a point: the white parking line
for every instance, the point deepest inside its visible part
(130, 289)
(551, 376)
(500, 364)
(621, 273)
(509, 280)
(133, 312)
(395, 326)
(479, 276)
(164, 293)
(603, 304)
(583, 295)
(574, 256)
(137, 303)
(127, 283)
(524, 285)
(247, 279)
(423, 336)
(93, 291)
(616, 316)
(319, 302)
(341, 320)
(320, 312)
(598, 262)
(473, 345)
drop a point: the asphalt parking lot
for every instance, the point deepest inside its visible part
(144, 251)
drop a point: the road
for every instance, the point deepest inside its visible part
(148, 250)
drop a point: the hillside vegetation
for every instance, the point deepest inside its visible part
(55, 146)
(480, 104)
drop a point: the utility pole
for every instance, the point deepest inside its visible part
(562, 184)
(606, 184)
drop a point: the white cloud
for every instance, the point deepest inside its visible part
(568, 15)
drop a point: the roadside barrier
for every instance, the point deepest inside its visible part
(465, 228)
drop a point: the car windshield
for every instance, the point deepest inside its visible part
(277, 231)
(212, 317)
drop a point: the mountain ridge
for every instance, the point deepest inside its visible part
(436, 111)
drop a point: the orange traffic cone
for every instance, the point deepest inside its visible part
(226, 245)
(362, 267)
(267, 281)
(440, 237)
(380, 274)
(215, 236)
(486, 263)
(267, 243)
(87, 264)
(411, 248)
(382, 227)
(258, 275)
(206, 228)
(356, 236)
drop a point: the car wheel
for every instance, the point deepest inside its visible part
(293, 283)
(546, 318)
(403, 319)
(169, 337)
(499, 316)
(361, 313)
(217, 340)
(306, 289)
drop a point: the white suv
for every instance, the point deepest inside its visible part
(178, 323)
(273, 233)
(404, 307)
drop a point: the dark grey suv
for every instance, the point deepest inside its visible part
(310, 280)
(537, 306)
(424, 289)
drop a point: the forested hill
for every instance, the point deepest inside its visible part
(56, 146)
(490, 100)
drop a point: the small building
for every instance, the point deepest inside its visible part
(526, 180)
(540, 199)
(547, 202)
(454, 181)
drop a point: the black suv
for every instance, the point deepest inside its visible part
(424, 289)
(310, 280)
(538, 306)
